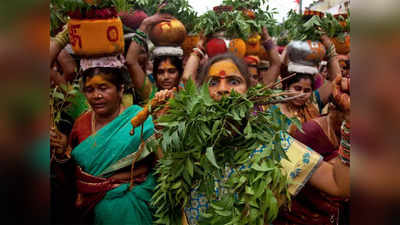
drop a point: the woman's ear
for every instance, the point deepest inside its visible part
(121, 91)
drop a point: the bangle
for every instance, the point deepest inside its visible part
(141, 34)
(62, 38)
(199, 52)
(331, 52)
(268, 44)
(345, 145)
(140, 37)
(139, 40)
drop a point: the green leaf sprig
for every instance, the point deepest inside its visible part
(201, 138)
(235, 23)
(297, 28)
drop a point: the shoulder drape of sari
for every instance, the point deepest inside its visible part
(302, 163)
(315, 138)
(102, 149)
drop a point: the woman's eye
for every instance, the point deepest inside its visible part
(172, 71)
(88, 89)
(234, 82)
(212, 82)
(103, 88)
(307, 90)
(297, 88)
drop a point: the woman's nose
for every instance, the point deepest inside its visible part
(223, 88)
(98, 94)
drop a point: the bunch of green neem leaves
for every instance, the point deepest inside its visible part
(235, 23)
(201, 138)
(297, 27)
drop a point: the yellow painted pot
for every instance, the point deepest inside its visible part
(96, 37)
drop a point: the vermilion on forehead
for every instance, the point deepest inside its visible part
(223, 68)
(96, 80)
(166, 65)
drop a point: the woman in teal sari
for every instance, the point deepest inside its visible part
(103, 150)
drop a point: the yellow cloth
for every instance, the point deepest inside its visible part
(303, 161)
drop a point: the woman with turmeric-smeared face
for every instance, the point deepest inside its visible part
(223, 77)
(225, 73)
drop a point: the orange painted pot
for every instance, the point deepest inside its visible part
(238, 47)
(171, 33)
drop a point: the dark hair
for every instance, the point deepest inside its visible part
(112, 75)
(236, 60)
(287, 83)
(175, 60)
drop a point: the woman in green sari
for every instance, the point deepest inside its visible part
(103, 150)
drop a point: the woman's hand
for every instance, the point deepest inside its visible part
(341, 94)
(157, 18)
(162, 98)
(265, 35)
(201, 42)
(56, 79)
(326, 41)
(58, 141)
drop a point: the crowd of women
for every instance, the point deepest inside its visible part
(90, 186)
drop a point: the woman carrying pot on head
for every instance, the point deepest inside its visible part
(99, 143)
(302, 79)
(259, 74)
(167, 63)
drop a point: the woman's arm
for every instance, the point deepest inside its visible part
(68, 65)
(134, 68)
(193, 63)
(332, 179)
(57, 44)
(335, 179)
(333, 69)
(271, 75)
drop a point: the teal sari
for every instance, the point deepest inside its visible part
(104, 149)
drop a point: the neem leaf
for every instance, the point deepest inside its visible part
(211, 157)
(189, 167)
(297, 123)
(58, 95)
(262, 168)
